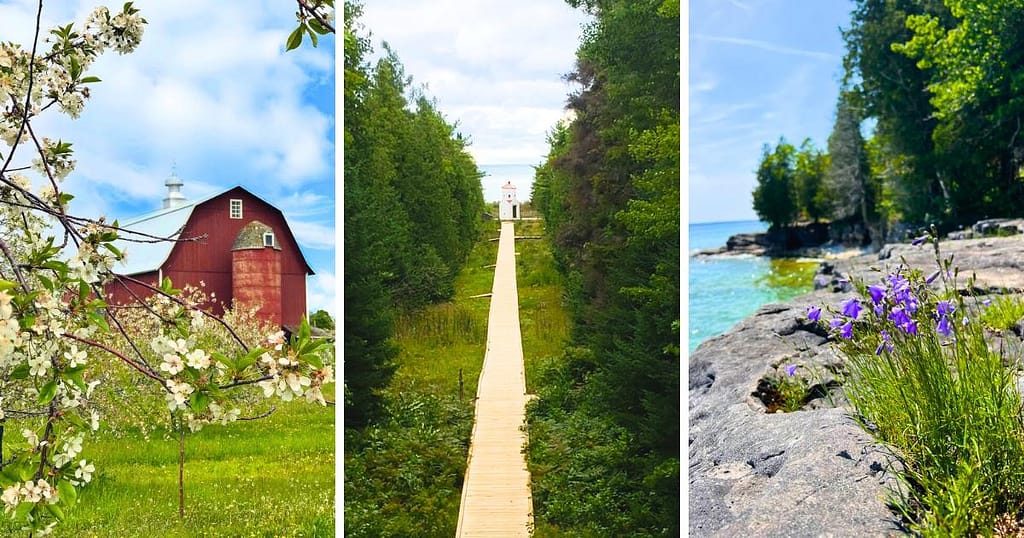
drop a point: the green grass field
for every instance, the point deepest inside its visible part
(263, 478)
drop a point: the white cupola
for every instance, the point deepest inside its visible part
(174, 196)
(509, 205)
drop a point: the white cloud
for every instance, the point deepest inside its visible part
(496, 69)
(305, 204)
(210, 88)
(313, 235)
(764, 45)
(320, 290)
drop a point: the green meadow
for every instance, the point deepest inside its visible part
(262, 478)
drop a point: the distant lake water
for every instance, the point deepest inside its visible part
(726, 289)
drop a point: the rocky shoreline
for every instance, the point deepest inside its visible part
(813, 239)
(812, 472)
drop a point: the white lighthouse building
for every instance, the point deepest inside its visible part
(509, 208)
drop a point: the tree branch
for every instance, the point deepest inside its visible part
(28, 94)
(148, 373)
(187, 306)
(311, 12)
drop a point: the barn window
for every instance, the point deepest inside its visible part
(236, 209)
(268, 239)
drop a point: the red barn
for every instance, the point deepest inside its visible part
(245, 254)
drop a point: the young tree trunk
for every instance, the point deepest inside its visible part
(181, 474)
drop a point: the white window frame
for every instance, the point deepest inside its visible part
(235, 209)
(268, 236)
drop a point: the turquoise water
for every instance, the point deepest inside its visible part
(724, 290)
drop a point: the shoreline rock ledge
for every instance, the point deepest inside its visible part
(751, 473)
(812, 472)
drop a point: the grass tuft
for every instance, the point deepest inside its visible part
(943, 400)
(1003, 312)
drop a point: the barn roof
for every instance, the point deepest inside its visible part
(145, 257)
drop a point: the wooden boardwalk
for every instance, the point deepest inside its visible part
(496, 498)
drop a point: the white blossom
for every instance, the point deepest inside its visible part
(75, 356)
(172, 363)
(38, 365)
(198, 359)
(84, 471)
(31, 437)
(178, 395)
(11, 497)
(276, 340)
(268, 386)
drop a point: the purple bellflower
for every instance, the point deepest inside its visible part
(790, 369)
(877, 293)
(886, 343)
(944, 308)
(813, 313)
(851, 308)
(944, 326)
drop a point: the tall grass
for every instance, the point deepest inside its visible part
(543, 317)
(439, 346)
(945, 402)
(441, 325)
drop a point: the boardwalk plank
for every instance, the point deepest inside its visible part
(496, 498)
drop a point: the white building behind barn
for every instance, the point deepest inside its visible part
(509, 208)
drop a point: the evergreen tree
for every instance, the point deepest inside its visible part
(412, 199)
(848, 173)
(609, 193)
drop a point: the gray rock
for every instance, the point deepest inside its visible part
(961, 234)
(751, 473)
(996, 262)
(999, 227)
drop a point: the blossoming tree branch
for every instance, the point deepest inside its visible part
(58, 336)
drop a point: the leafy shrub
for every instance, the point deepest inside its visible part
(403, 476)
(589, 478)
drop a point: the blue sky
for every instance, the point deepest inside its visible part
(211, 92)
(495, 71)
(759, 69)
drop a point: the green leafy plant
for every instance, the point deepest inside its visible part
(924, 380)
(1002, 313)
(792, 389)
